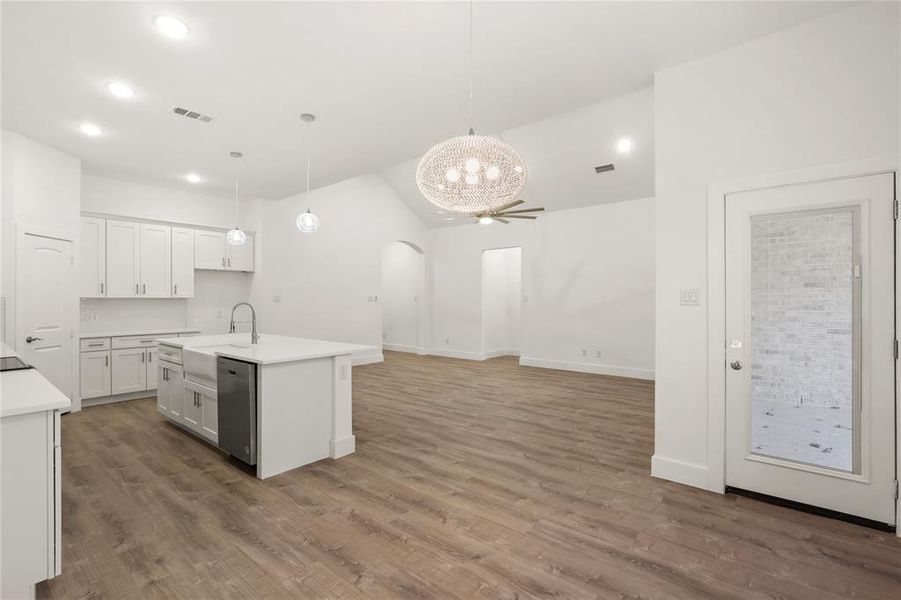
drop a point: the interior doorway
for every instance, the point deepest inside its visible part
(403, 290)
(501, 302)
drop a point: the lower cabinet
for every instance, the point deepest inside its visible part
(95, 374)
(201, 410)
(169, 400)
(129, 370)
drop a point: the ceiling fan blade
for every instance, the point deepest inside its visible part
(521, 210)
(501, 219)
(508, 205)
(518, 217)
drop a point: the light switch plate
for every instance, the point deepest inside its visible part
(690, 297)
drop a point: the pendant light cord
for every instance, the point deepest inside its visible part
(471, 71)
(309, 147)
(236, 193)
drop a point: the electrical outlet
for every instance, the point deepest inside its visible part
(218, 314)
(276, 299)
(584, 352)
(342, 372)
(597, 353)
(447, 341)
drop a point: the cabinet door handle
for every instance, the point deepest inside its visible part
(137, 290)
(223, 261)
(142, 357)
(101, 288)
(94, 345)
(176, 288)
(150, 356)
(106, 360)
(145, 288)
(229, 261)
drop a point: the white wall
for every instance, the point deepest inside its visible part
(403, 288)
(320, 285)
(501, 301)
(823, 92)
(215, 292)
(588, 285)
(41, 186)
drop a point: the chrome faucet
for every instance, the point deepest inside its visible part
(254, 334)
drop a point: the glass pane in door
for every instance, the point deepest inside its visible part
(804, 307)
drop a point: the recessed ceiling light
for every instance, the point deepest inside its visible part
(193, 177)
(171, 27)
(90, 129)
(449, 218)
(120, 90)
(624, 145)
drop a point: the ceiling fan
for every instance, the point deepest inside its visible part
(502, 214)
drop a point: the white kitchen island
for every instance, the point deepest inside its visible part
(303, 394)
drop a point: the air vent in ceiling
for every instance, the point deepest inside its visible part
(191, 114)
(604, 168)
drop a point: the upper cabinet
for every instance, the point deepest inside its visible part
(92, 258)
(123, 259)
(209, 250)
(182, 262)
(128, 259)
(213, 252)
(240, 258)
(156, 261)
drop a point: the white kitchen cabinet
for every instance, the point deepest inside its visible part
(92, 258)
(152, 375)
(240, 258)
(192, 412)
(123, 259)
(169, 393)
(129, 370)
(156, 261)
(201, 413)
(95, 374)
(182, 262)
(209, 250)
(209, 414)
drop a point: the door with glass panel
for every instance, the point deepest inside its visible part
(810, 402)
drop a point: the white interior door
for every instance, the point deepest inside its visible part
(45, 296)
(810, 345)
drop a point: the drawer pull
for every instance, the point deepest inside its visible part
(95, 344)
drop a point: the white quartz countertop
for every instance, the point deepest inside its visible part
(271, 349)
(148, 332)
(27, 391)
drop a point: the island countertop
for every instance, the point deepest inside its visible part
(271, 349)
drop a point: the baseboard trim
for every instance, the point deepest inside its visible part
(403, 348)
(100, 400)
(646, 374)
(680, 472)
(501, 352)
(342, 447)
(456, 354)
(366, 358)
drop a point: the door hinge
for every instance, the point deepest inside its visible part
(896, 489)
(895, 209)
(896, 349)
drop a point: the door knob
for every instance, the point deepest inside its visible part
(736, 365)
(30, 339)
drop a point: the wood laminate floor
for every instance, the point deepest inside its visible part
(470, 480)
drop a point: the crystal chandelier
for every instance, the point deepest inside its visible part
(236, 237)
(307, 222)
(471, 173)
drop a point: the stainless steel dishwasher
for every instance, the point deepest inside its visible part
(237, 393)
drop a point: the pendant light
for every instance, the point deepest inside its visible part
(472, 173)
(307, 222)
(236, 237)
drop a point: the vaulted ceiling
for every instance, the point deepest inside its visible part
(386, 81)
